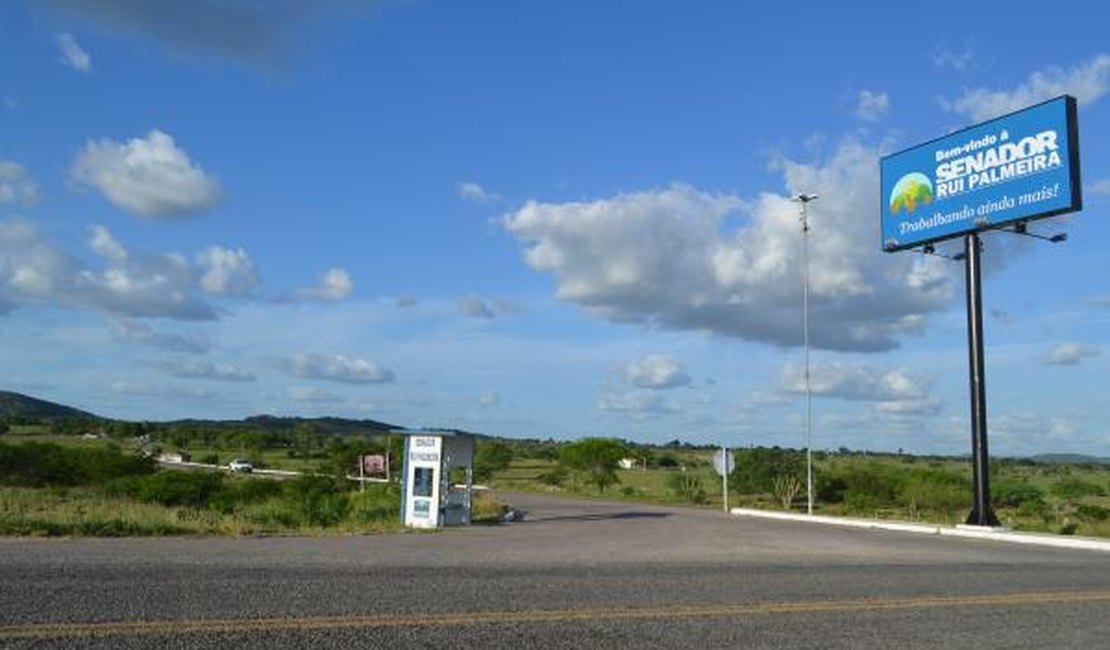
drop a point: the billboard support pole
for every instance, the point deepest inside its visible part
(982, 514)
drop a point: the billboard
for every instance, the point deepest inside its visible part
(1017, 167)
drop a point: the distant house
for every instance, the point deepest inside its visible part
(628, 463)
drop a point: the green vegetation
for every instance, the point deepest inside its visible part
(67, 472)
(50, 489)
(1063, 498)
(596, 459)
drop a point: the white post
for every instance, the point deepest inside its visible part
(361, 474)
(724, 477)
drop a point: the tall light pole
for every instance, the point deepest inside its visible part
(804, 199)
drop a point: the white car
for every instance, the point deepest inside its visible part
(240, 465)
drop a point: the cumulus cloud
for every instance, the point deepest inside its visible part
(476, 193)
(72, 53)
(336, 284)
(656, 371)
(34, 270)
(258, 33)
(104, 244)
(16, 185)
(139, 333)
(872, 105)
(151, 176)
(679, 258)
(1087, 82)
(337, 368)
(1071, 354)
(311, 395)
(146, 389)
(193, 369)
(860, 383)
(634, 402)
(227, 272)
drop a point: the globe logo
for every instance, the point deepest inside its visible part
(910, 191)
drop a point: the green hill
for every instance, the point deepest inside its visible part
(16, 406)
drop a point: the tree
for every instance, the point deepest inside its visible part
(492, 456)
(596, 458)
(757, 468)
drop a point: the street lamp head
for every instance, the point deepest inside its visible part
(805, 198)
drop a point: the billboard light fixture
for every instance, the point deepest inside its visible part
(1022, 228)
(929, 249)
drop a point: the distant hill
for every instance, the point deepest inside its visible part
(15, 406)
(326, 425)
(1070, 459)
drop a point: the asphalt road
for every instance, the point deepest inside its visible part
(573, 574)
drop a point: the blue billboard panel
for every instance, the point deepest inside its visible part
(1017, 167)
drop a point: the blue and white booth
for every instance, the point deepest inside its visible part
(438, 478)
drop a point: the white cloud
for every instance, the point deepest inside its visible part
(943, 57)
(856, 383)
(475, 307)
(635, 403)
(337, 368)
(140, 333)
(336, 284)
(488, 400)
(1071, 354)
(72, 54)
(1101, 187)
(476, 193)
(193, 369)
(674, 258)
(872, 105)
(656, 371)
(910, 407)
(36, 271)
(1087, 82)
(146, 389)
(227, 272)
(105, 245)
(16, 185)
(150, 177)
(310, 395)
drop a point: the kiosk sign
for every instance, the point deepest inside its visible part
(1017, 167)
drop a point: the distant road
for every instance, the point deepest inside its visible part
(573, 574)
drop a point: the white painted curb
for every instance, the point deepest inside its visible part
(973, 532)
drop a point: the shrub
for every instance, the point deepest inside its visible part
(317, 501)
(245, 491)
(37, 464)
(1015, 493)
(757, 468)
(490, 457)
(1075, 488)
(555, 476)
(688, 487)
(171, 488)
(1092, 513)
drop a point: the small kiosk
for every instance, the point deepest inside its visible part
(437, 479)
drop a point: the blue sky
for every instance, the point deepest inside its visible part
(541, 219)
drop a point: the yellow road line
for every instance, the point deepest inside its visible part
(434, 619)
